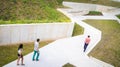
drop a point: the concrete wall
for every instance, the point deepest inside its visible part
(17, 33)
(80, 6)
(105, 8)
(117, 0)
(89, 7)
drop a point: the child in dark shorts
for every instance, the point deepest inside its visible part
(20, 56)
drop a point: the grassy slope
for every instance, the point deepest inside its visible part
(108, 49)
(102, 2)
(9, 52)
(40, 10)
(78, 30)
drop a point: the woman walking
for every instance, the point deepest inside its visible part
(20, 55)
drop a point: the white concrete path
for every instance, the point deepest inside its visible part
(68, 50)
(59, 53)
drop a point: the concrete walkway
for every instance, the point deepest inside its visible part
(68, 50)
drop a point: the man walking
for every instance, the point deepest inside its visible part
(87, 41)
(36, 50)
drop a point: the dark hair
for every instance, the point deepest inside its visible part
(88, 35)
(20, 46)
(38, 40)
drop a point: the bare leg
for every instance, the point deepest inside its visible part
(18, 60)
(22, 60)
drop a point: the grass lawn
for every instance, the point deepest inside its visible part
(101, 2)
(78, 30)
(108, 49)
(61, 20)
(68, 65)
(118, 16)
(97, 13)
(8, 53)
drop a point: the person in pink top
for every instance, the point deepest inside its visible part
(87, 41)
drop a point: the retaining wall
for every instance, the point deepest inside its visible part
(117, 0)
(17, 33)
(89, 7)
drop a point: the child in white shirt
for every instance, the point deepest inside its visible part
(20, 56)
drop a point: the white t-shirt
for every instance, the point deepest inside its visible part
(36, 46)
(20, 51)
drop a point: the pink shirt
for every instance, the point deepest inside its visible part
(87, 40)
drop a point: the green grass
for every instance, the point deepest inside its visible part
(101, 2)
(78, 30)
(118, 16)
(22, 10)
(8, 53)
(108, 49)
(33, 21)
(94, 13)
(68, 65)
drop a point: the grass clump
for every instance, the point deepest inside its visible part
(108, 49)
(8, 53)
(94, 13)
(78, 30)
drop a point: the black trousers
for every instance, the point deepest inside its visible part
(85, 46)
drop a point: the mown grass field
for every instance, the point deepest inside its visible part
(108, 49)
(101, 2)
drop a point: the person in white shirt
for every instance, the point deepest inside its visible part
(20, 49)
(36, 50)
